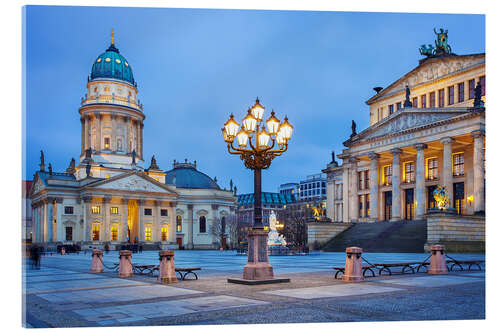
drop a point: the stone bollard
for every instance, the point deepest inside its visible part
(63, 251)
(166, 271)
(96, 266)
(125, 266)
(438, 260)
(353, 268)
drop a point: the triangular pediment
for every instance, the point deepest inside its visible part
(37, 186)
(132, 182)
(405, 120)
(429, 70)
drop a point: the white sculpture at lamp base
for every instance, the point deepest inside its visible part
(274, 238)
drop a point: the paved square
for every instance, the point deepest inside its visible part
(61, 277)
(143, 311)
(79, 284)
(432, 280)
(116, 294)
(337, 290)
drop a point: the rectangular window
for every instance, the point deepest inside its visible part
(163, 234)
(360, 198)
(178, 224)
(472, 85)
(114, 210)
(461, 92)
(106, 143)
(398, 106)
(387, 179)
(414, 103)
(69, 233)
(95, 209)
(482, 80)
(441, 98)
(458, 164)
(367, 179)
(147, 233)
(148, 211)
(459, 197)
(114, 233)
(367, 205)
(163, 212)
(423, 101)
(391, 109)
(451, 95)
(432, 99)
(409, 175)
(360, 180)
(432, 168)
(68, 210)
(95, 232)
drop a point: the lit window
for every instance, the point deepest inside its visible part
(147, 233)
(367, 179)
(68, 210)
(114, 210)
(387, 179)
(164, 212)
(451, 95)
(106, 89)
(114, 233)
(95, 209)
(461, 92)
(409, 175)
(106, 142)
(126, 63)
(432, 99)
(163, 234)
(118, 61)
(107, 176)
(432, 168)
(360, 200)
(415, 102)
(367, 205)
(203, 224)
(95, 232)
(423, 101)
(441, 98)
(98, 59)
(108, 60)
(360, 180)
(148, 211)
(178, 226)
(458, 164)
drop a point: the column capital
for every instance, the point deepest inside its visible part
(87, 199)
(157, 203)
(124, 200)
(373, 156)
(214, 207)
(477, 133)
(396, 151)
(59, 200)
(172, 204)
(447, 140)
(420, 146)
(353, 159)
(113, 115)
(106, 199)
(141, 202)
(98, 115)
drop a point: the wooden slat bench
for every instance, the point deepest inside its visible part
(405, 266)
(144, 269)
(459, 264)
(364, 268)
(183, 271)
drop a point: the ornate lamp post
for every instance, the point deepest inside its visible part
(257, 148)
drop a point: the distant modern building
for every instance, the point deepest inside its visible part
(270, 202)
(110, 196)
(289, 188)
(313, 188)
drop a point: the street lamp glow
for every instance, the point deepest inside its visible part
(242, 137)
(263, 138)
(286, 129)
(250, 122)
(226, 137)
(231, 126)
(272, 124)
(280, 139)
(258, 110)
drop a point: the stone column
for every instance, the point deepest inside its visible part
(127, 121)
(157, 222)
(106, 217)
(479, 194)
(190, 244)
(98, 132)
(345, 193)
(214, 221)
(50, 220)
(172, 226)
(60, 236)
(141, 219)
(86, 135)
(447, 178)
(87, 235)
(82, 143)
(113, 132)
(420, 181)
(34, 215)
(374, 209)
(396, 182)
(140, 133)
(124, 224)
(353, 182)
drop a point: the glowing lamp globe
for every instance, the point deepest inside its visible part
(286, 129)
(258, 110)
(250, 122)
(231, 126)
(272, 124)
(263, 139)
(242, 137)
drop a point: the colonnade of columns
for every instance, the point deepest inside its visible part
(445, 179)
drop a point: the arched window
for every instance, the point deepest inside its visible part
(223, 224)
(178, 226)
(203, 224)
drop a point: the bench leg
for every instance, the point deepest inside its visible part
(384, 269)
(368, 269)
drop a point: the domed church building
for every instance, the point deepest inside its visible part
(109, 196)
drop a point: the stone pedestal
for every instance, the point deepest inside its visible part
(258, 267)
(438, 260)
(125, 268)
(353, 265)
(166, 271)
(96, 265)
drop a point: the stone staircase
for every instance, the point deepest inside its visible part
(401, 236)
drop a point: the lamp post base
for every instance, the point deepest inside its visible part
(258, 267)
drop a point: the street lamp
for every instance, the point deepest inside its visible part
(257, 147)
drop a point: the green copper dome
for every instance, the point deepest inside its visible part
(112, 65)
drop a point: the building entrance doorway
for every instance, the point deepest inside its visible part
(431, 202)
(409, 204)
(387, 205)
(132, 221)
(459, 197)
(179, 242)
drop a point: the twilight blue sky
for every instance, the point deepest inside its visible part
(195, 67)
